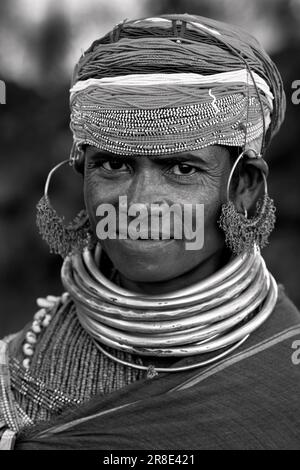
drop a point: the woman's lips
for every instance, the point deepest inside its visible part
(145, 235)
(143, 245)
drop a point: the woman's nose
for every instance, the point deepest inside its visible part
(145, 189)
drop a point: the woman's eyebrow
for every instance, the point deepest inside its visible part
(163, 160)
(179, 158)
(102, 155)
(99, 154)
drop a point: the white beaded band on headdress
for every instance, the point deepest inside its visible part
(135, 80)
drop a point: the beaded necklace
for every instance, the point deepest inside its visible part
(61, 368)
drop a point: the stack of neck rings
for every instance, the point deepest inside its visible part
(161, 86)
(218, 313)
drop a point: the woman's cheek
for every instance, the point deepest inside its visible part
(92, 197)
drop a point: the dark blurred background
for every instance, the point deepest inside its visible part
(40, 42)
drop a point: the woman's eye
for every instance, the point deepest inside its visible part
(114, 165)
(183, 170)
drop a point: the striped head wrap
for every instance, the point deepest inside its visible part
(172, 84)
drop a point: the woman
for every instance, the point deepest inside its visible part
(157, 344)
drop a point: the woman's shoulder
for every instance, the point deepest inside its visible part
(286, 314)
(284, 299)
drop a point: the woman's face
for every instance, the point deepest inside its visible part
(197, 177)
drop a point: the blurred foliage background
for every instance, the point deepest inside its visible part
(40, 43)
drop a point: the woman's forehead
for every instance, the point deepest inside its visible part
(211, 153)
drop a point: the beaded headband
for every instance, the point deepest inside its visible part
(162, 114)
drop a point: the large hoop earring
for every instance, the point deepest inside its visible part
(243, 233)
(62, 239)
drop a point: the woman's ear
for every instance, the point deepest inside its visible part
(79, 161)
(250, 183)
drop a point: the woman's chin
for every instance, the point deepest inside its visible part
(141, 251)
(148, 274)
(150, 260)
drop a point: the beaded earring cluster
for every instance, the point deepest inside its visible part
(62, 238)
(241, 232)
